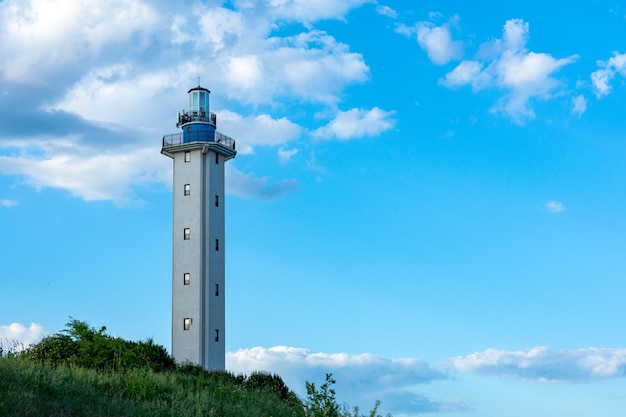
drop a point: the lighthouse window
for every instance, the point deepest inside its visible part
(217, 158)
(217, 200)
(194, 104)
(187, 233)
(187, 189)
(217, 244)
(186, 323)
(203, 100)
(217, 335)
(187, 156)
(217, 289)
(186, 278)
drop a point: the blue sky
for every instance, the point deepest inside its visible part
(428, 199)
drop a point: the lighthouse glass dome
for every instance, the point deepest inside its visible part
(197, 123)
(199, 101)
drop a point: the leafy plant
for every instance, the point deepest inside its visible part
(85, 346)
(322, 402)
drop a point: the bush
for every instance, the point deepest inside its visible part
(84, 346)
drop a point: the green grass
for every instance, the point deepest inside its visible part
(28, 388)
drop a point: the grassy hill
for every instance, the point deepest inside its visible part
(82, 371)
(33, 389)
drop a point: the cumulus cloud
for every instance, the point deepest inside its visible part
(22, 335)
(68, 165)
(259, 67)
(261, 130)
(438, 44)
(554, 207)
(435, 40)
(543, 364)
(506, 64)
(361, 378)
(579, 105)
(44, 36)
(386, 11)
(103, 82)
(313, 66)
(467, 72)
(357, 123)
(602, 78)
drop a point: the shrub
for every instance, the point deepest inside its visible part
(84, 346)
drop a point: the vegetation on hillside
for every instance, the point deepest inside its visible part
(82, 371)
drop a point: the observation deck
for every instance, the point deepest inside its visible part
(175, 139)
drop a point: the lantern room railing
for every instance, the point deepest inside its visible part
(196, 116)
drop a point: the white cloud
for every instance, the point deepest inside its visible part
(361, 378)
(108, 165)
(467, 72)
(45, 35)
(8, 203)
(124, 95)
(249, 186)
(543, 364)
(386, 11)
(314, 66)
(309, 65)
(509, 66)
(357, 123)
(579, 105)
(307, 11)
(245, 72)
(237, 54)
(438, 44)
(114, 72)
(284, 155)
(602, 78)
(21, 335)
(555, 207)
(68, 165)
(222, 28)
(261, 130)
(435, 40)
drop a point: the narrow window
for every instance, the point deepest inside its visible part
(217, 200)
(186, 278)
(217, 158)
(186, 323)
(187, 189)
(217, 244)
(217, 289)
(217, 335)
(187, 156)
(187, 233)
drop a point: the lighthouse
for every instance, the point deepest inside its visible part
(199, 153)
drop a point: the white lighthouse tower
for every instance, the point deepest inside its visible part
(199, 153)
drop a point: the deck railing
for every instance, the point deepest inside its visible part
(198, 136)
(196, 116)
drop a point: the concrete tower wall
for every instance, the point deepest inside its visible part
(215, 266)
(201, 255)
